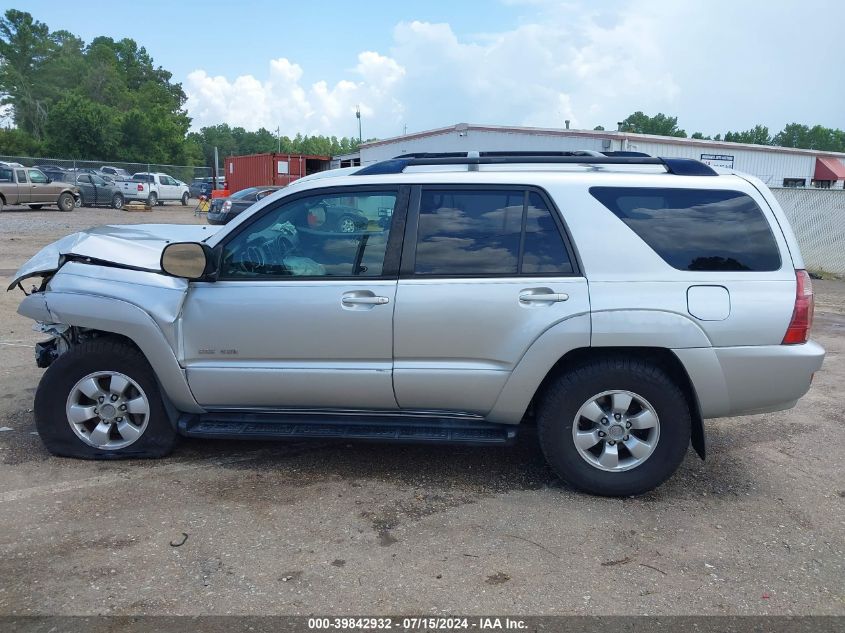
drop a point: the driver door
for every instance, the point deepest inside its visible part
(301, 315)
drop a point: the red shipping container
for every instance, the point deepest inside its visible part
(256, 170)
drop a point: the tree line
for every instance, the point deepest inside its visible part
(793, 135)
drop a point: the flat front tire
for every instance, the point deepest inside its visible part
(614, 427)
(100, 400)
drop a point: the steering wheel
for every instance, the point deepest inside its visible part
(258, 258)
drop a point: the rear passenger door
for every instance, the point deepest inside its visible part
(485, 271)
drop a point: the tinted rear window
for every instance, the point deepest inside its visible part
(694, 229)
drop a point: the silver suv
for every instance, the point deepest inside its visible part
(613, 302)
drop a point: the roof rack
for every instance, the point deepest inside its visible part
(676, 166)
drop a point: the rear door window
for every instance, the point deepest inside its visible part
(480, 233)
(696, 229)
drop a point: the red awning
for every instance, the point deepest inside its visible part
(829, 169)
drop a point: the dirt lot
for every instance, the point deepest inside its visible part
(326, 528)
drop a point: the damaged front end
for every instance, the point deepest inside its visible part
(62, 339)
(60, 342)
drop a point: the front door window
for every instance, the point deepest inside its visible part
(318, 236)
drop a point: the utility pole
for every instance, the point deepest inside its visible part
(279, 135)
(405, 130)
(358, 116)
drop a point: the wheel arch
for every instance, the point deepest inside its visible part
(660, 356)
(512, 403)
(117, 318)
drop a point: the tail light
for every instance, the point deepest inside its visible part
(226, 206)
(802, 315)
(140, 187)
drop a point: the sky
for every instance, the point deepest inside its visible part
(717, 65)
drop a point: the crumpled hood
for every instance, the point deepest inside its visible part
(133, 245)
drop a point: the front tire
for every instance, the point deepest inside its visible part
(185, 199)
(117, 201)
(101, 400)
(66, 202)
(615, 427)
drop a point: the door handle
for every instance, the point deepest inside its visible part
(546, 297)
(367, 301)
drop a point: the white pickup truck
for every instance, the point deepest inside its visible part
(154, 188)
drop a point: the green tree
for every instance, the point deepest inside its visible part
(758, 135)
(25, 45)
(80, 128)
(660, 124)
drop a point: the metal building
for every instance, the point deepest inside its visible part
(776, 166)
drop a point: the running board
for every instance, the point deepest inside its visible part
(379, 428)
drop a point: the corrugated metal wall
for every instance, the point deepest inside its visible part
(770, 166)
(264, 169)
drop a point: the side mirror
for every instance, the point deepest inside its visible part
(185, 259)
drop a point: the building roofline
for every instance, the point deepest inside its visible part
(602, 134)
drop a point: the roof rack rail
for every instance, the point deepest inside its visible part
(676, 166)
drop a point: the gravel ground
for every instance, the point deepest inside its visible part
(333, 528)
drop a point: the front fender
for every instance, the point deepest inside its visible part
(118, 317)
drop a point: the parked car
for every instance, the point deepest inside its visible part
(56, 173)
(224, 209)
(95, 191)
(613, 302)
(204, 186)
(200, 187)
(117, 173)
(154, 189)
(30, 186)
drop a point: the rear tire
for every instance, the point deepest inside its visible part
(569, 396)
(185, 199)
(66, 202)
(60, 396)
(153, 199)
(117, 201)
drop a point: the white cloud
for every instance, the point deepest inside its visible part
(707, 61)
(283, 99)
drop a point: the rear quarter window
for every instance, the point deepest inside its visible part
(695, 229)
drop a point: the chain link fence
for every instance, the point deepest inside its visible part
(185, 173)
(818, 218)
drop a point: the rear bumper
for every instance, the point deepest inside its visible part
(755, 379)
